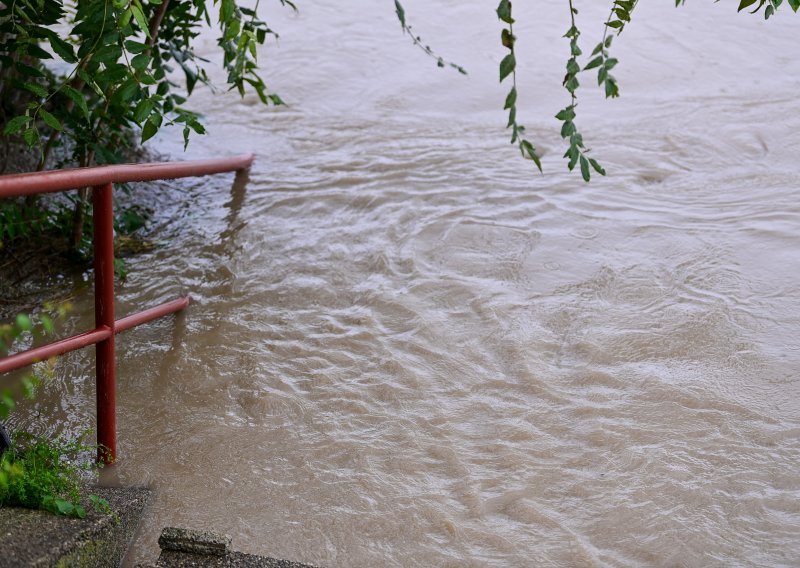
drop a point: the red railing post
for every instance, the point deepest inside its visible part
(103, 219)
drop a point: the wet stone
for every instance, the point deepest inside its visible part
(194, 542)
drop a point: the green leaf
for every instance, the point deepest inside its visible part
(504, 11)
(507, 66)
(573, 155)
(35, 51)
(135, 46)
(197, 127)
(125, 92)
(31, 136)
(107, 54)
(512, 116)
(28, 70)
(616, 24)
(77, 98)
(623, 15)
(511, 99)
(50, 120)
(47, 323)
(745, 3)
(572, 66)
(89, 81)
(596, 62)
(24, 322)
(64, 507)
(612, 91)
(150, 128)
(572, 32)
(602, 75)
(15, 125)
(143, 110)
(141, 61)
(566, 114)
(401, 14)
(597, 167)
(63, 49)
(28, 388)
(795, 4)
(112, 75)
(507, 39)
(7, 402)
(226, 10)
(140, 19)
(36, 89)
(531, 152)
(585, 168)
(572, 84)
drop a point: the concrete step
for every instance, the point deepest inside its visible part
(41, 539)
(182, 548)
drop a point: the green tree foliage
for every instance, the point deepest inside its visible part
(118, 56)
(89, 74)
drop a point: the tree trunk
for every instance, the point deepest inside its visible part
(79, 213)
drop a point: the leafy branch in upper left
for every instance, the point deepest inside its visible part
(92, 89)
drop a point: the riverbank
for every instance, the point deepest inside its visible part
(40, 538)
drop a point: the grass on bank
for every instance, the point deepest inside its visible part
(37, 473)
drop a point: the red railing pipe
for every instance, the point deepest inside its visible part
(153, 313)
(45, 352)
(48, 351)
(101, 179)
(18, 185)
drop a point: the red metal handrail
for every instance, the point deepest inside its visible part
(101, 179)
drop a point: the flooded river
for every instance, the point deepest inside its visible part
(408, 348)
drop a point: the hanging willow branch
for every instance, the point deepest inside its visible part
(508, 67)
(401, 15)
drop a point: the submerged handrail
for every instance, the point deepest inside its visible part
(101, 180)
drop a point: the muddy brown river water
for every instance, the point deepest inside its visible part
(409, 349)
